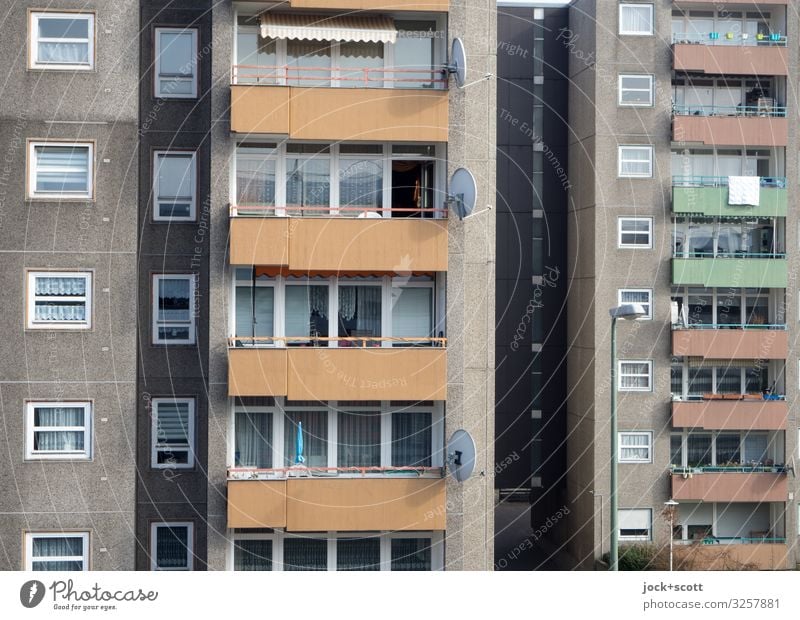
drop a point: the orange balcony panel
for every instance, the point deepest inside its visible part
(730, 59)
(440, 6)
(257, 372)
(731, 130)
(256, 503)
(731, 344)
(371, 504)
(379, 114)
(347, 373)
(761, 415)
(730, 487)
(260, 110)
(259, 241)
(759, 556)
(372, 373)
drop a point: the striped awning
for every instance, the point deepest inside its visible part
(699, 362)
(374, 29)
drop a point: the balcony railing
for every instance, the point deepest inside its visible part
(732, 540)
(360, 342)
(722, 254)
(303, 471)
(338, 77)
(678, 398)
(730, 38)
(761, 326)
(715, 181)
(738, 110)
(328, 211)
(755, 468)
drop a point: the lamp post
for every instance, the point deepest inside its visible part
(624, 312)
(669, 507)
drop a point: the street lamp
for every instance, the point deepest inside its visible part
(670, 506)
(624, 312)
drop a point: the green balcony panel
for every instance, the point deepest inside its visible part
(713, 201)
(730, 272)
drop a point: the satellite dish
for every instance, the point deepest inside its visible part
(461, 455)
(458, 63)
(463, 193)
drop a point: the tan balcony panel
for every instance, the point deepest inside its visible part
(731, 130)
(256, 503)
(730, 59)
(347, 373)
(731, 344)
(440, 6)
(371, 504)
(730, 487)
(758, 556)
(761, 415)
(260, 241)
(380, 114)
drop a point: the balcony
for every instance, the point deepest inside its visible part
(358, 371)
(340, 243)
(731, 412)
(729, 484)
(737, 270)
(708, 196)
(731, 126)
(441, 6)
(331, 114)
(738, 55)
(733, 554)
(724, 342)
(338, 504)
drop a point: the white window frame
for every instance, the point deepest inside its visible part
(154, 322)
(649, 446)
(34, 40)
(648, 303)
(33, 194)
(30, 429)
(620, 158)
(192, 155)
(157, 64)
(630, 218)
(31, 298)
(30, 536)
(621, 363)
(649, 535)
(637, 33)
(154, 448)
(621, 90)
(155, 526)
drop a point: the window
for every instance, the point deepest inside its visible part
(635, 523)
(171, 546)
(62, 551)
(176, 63)
(252, 554)
(411, 438)
(636, 19)
(635, 161)
(253, 438)
(305, 554)
(172, 433)
(636, 90)
(315, 438)
(173, 309)
(60, 170)
(358, 554)
(635, 232)
(174, 186)
(411, 554)
(635, 376)
(635, 447)
(58, 430)
(59, 300)
(62, 41)
(641, 296)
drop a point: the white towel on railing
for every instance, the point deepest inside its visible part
(744, 190)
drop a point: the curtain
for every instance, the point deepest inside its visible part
(359, 437)
(635, 18)
(700, 381)
(172, 419)
(60, 287)
(756, 380)
(361, 184)
(412, 312)
(698, 450)
(254, 439)
(306, 310)
(255, 177)
(362, 303)
(63, 53)
(264, 311)
(755, 448)
(172, 547)
(676, 450)
(308, 182)
(635, 447)
(728, 449)
(411, 554)
(252, 555)
(358, 554)
(173, 299)
(315, 437)
(729, 380)
(354, 57)
(634, 375)
(58, 441)
(635, 161)
(309, 63)
(411, 438)
(305, 554)
(64, 547)
(62, 168)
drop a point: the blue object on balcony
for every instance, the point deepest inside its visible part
(775, 36)
(299, 459)
(713, 35)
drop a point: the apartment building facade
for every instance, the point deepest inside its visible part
(683, 160)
